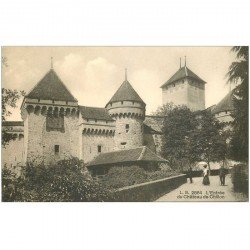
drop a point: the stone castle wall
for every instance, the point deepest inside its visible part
(176, 93)
(91, 143)
(185, 92)
(129, 132)
(13, 152)
(196, 95)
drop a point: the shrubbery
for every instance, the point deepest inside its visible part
(118, 176)
(64, 181)
(239, 176)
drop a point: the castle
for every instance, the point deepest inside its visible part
(56, 127)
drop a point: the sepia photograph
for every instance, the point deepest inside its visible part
(130, 124)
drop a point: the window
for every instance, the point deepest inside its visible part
(121, 102)
(53, 101)
(127, 128)
(57, 149)
(99, 148)
(95, 120)
(66, 103)
(123, 143)
(55, 123)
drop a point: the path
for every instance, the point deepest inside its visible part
(198, 192)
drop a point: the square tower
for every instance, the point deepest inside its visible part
(185, 88)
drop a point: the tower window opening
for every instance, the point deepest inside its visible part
(127, 128)
(53, 101)
(121, 102)
(99, 148)
(67, 103)
(57, 149)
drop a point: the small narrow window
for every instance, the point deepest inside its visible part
(53, 101)
(99, 148)
(67, 103)
(38, 99)
(121, 102)
(95, 120)
(57, 149)
(133, 103)
(127, 128)
(123, 143)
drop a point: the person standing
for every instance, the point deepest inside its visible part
(222, 172)
(205, 176)
(190, 174)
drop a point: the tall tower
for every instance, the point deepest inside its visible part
(185, 88)
(50, 114)
(128, 110)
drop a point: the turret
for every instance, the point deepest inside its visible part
(185, 88)
(50, 114)
(128, 110)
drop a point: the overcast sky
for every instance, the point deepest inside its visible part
(93, 74)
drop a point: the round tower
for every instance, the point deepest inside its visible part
(128, 110)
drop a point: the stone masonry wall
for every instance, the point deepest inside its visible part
(41, 143)
(128, 139)
(13, 153)
(90, 143)
(176, 93)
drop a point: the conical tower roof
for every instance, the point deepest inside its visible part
(126, 93)
(182, 73)
(50, 87)
(226, 104)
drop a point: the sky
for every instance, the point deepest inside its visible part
(93, 74)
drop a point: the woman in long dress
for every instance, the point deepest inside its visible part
(205, 176)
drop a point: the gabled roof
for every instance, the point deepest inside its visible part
(183, 72)
(154, 122)
(12, 123)
(50, 87)
(126, 93)
(226, 104)
(141, 154)
(95, 113)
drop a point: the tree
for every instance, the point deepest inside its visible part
(63, 181)
(9, 100)
(238, 72)
(209, 142)
(178, 131)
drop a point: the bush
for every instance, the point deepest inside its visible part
(64, 181)
(239, 174)
(118, 177)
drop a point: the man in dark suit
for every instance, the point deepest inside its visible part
(222, 172)
(190, 174)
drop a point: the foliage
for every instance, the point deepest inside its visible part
(239, 177)
(209, 141)
(238, 72)
(64, 181)
(9, 99)
(189, 137)
(164, 109)
(118, 176)
(8, 184)
(178, 131)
